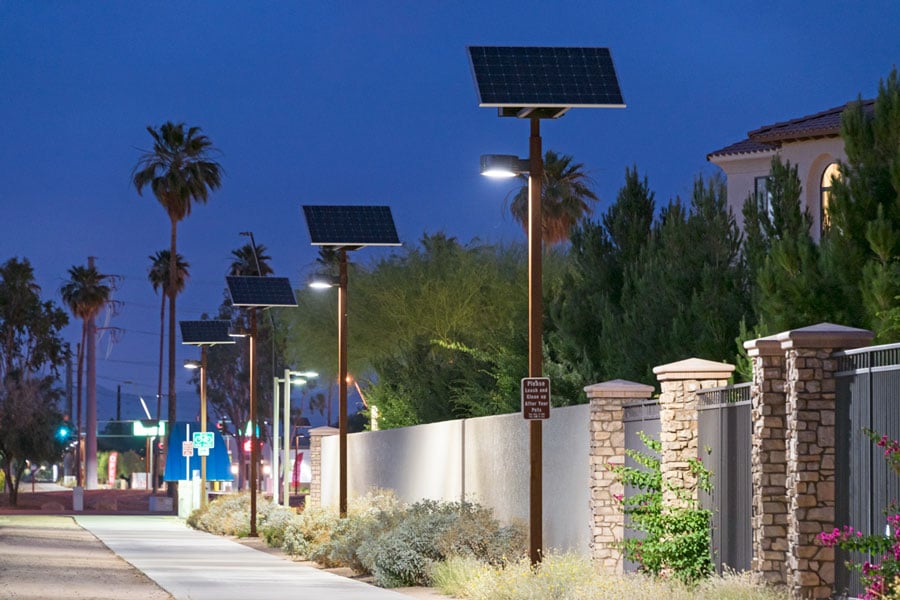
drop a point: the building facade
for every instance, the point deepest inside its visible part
(812, 143)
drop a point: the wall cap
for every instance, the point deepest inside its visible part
(693, 368)
(619, 388)
(825, 335)
(324, 430)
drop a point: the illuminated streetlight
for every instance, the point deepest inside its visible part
(290, 378)
(346, 228)
(515, 81)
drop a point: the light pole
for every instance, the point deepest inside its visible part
(346, 228)
(254, 293)
(341, 284)
(201, 364)
(537, 83)
(204, 333)
(119, 398)
(290, 378)
(510, 166)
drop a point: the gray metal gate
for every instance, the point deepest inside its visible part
(867, 396)
(724, 432)
(638, 417)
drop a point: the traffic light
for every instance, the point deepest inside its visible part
(64, 432)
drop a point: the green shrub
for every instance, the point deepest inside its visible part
(676, 538)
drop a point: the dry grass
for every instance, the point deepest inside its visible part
(571, 577)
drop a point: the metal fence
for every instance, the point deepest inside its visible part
(638, 417)
(724, 438)
(867, 397)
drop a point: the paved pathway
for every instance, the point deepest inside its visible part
(193, 565)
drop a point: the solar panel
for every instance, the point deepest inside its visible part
(544, 81)
(351, 226)
(205, 332)
(261, 291)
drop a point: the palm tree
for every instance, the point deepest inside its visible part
(245, 260)
(565, 198)
(85, 293)
(159, 279)
(178, 170)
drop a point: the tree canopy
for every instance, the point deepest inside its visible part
(31, 350)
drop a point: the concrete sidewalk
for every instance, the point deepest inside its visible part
(193, 565)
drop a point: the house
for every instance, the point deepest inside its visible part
(812, 143)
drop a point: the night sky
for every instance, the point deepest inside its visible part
(365, 103)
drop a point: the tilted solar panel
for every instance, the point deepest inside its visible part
(261, 291)
(351, 225)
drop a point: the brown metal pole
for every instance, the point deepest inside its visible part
(342, 383)
(203, 495)
(535, 314)
(253, 448)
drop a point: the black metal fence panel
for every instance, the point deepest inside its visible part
(724, 443)
(639, 417)
(867, 397)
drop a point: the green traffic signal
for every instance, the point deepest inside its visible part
(63, 432)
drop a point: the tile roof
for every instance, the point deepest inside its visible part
(770, 137)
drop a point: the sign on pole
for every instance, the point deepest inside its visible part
(204, 439)
(536, 398)
(187, 449)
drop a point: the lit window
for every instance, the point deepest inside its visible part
(763, 196)
(831, 172)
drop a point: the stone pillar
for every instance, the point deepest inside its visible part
(315, 463)
(810, 482)
(607, 428)
(679, 382)
(768, 463)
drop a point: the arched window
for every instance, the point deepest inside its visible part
(831, 172)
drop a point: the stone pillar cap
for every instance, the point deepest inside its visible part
(619, 388)
(693, 368)
(825, 335)
(764, 346)
(324, 430)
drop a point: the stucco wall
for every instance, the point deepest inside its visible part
(811, 157)
(484, 460)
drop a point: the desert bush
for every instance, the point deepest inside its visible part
(309, 530)
(272, 521)
(365, 522)
(226, 515)
(431, 531)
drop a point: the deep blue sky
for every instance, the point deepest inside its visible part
(362, 102)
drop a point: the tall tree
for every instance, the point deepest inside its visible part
(861, 247)
(86, 293)
(684, 294)
(789, 288)
(179, 170)
(31, 350)
(436, 330)
(566, 198)
(589, 293)
(245, 259)
(158, 275)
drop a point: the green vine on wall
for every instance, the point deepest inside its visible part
(676, 540)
